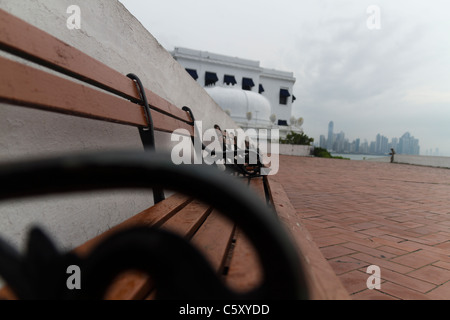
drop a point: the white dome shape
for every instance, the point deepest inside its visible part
(242, 104)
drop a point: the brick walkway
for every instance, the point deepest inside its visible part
(363, 213)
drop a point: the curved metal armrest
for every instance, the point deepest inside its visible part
(283, 276)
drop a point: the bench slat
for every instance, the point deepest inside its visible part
(219, 229)
(153, 216)
(135, 285)
(245, 272)
(130, 285)
(187, 221)
(26, 41)
(35, 88)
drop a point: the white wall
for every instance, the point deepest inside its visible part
(273, 81)
(429, 161)
(203, 61)
(112, 35)
(295, 150)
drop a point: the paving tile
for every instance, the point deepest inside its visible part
(354, 281)
(440, 293)
(405, 245)
(336, 251)
(436, 238)
(411, 224)
(407, 281)
(442, 264)
(422, 230)
(372, 295)
(326, 232)
(345, 264)
(382, 263)
(373, 232)
(392, 250)
(391, 238)
(416, 259)
(402, 292)
(327, 241)
(371, 251)
(364, 225)
(358, 238)
(432, 274)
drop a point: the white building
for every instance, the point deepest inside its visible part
(253, 96)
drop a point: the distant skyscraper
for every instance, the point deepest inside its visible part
(323, 142)
(408, 145)
(357, 144)
(330, 136)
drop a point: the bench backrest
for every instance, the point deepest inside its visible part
(81, 86)
(90, 96)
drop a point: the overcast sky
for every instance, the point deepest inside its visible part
(387, 80)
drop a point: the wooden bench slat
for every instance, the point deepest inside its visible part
(31, 43)
(35, 88)
(7, 294)
(134, 285)
(130, 285)
(216, 252)
(221, 230)
(187, 221)
(153, 216)
(245, 271)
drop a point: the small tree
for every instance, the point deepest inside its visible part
(297, 138)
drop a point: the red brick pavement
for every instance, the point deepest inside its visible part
(363, 213)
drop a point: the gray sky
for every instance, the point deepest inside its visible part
(388, 80)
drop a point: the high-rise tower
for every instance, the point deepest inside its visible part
(330, 140)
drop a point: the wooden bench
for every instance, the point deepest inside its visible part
(81, 86)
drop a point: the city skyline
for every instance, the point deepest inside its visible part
(389, 79)
(381, 145)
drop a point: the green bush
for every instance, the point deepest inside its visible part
(297, 138)
(323, 153)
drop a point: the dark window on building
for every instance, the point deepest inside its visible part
(193, 73)
(247, 84)
(227, 79)
(284, 95)
(210, 79)
(282, 123)
(261, 88)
